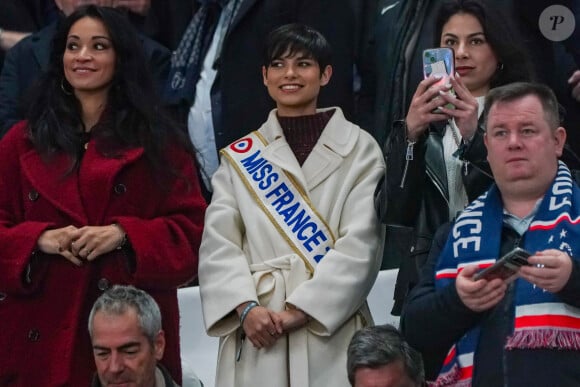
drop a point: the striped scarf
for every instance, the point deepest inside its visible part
(541, 319)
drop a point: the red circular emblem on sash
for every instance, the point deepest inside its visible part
(242, 146)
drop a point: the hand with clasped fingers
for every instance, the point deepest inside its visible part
(264, 326)
(81, 244)
(58, 241)
(479, 295)
(293, 319)
(261, 325)
(548, 269)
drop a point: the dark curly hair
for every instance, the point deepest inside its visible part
(132, 118)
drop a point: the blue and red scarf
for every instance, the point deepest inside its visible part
(541, 319)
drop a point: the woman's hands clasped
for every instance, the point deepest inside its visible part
(81, 244)
(263, 327)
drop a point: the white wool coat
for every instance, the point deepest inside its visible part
(243, 258)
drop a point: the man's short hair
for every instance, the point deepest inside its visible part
(380, 345)
(517, 90)
(291, 39)
(120, 298)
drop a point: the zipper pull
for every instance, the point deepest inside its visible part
(409, 153)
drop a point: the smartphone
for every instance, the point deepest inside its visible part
(506, 266)
(441, 61)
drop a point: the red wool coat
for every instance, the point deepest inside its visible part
(45, 299)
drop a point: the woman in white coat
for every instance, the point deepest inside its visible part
(291, 246)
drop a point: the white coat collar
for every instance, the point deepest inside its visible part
(336, 141)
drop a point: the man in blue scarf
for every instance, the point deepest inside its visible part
(525, 329)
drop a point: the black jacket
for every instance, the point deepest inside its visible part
(413, 199)
(449, 319)
(402, 29)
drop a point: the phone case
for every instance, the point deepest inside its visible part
(505, 267)
(439, 60)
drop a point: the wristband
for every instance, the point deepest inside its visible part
(251, 305)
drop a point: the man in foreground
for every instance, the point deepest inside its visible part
(522, 329)
(128, 342)
(378, 356)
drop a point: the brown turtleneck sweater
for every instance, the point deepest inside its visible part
(302, 132)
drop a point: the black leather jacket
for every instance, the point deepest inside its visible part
(413, 199)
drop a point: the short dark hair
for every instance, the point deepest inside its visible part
(505, 42)
(380, 345)
(294, 38)
(516, 90)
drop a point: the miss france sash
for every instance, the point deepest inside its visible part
(282, 200)
(541, 319)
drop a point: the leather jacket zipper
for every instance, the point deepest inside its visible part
(408, 158)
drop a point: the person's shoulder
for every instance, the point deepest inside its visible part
(17, 131)
(177, 152)
(33, 45)
(45, 34)
(16, 138)
(346, 136)
(366, 140)
(151, 45)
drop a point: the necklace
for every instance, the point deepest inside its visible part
(86, 138)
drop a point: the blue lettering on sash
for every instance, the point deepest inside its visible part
(302, 236)
(260, 170)
(251, 163)
(299, 220)
(284, 202)
(288, 212)
(316, 238)
(318, 257)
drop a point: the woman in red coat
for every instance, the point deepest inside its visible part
(96, 189)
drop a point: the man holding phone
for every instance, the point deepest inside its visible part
(496, 331)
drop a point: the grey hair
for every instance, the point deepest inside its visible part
(517, 90)
(120, 298)
(377, 346)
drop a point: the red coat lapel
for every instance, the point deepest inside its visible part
(98, 179)
(52, 182)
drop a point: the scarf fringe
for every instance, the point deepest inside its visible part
(545, 338)
(450, 378)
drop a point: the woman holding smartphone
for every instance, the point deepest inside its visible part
(436, 157)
